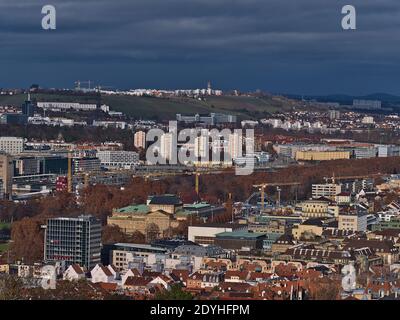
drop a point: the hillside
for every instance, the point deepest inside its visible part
(166, 108)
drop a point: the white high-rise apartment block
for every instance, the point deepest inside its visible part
(12, 145)
(235, 145)
(139, 139)
(167, 146)
(201, 147)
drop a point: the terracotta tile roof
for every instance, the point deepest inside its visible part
(179, 275)
(137, 282)
(106, 271)
(238, 287)
(77, 268)
(257, 276)
(242, 275)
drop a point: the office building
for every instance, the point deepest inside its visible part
(388, 151)
(11, 145)
(85, 164)
(118, 159)
(356, 222)
(65, 106)
(28, 107)
(205, 234)
(139, 140)
(240, 240)
(365, 152)
(328, 190)
(13, 118)
(212, 119)
(321, 155)
(73, 240)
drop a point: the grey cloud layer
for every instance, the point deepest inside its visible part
(287, 35)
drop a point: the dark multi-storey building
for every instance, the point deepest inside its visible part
(28, 108)
(73, 241)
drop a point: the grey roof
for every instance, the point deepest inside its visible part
(167, 199)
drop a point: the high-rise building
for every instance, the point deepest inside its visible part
(139, 139)
(235, 145)
(12, 145)
(167, 146)
(6, 173)
(28, 107)
(334, 114)
(73, 240)
(201, 147)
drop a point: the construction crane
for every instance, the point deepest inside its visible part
(372, 175)
(100, 87)
(278, 185)
(79, 82)
(197, 186)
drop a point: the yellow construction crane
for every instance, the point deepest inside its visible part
(276, 184)
(197, 184)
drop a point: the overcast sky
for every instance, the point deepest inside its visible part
(290, 46)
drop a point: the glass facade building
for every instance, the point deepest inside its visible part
(73, 240)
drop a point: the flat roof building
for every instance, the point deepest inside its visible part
(73, 240)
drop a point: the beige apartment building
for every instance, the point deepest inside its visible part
(352, 222)
(139, 139)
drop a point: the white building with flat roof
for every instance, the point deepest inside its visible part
(12, 145)
(118, 159)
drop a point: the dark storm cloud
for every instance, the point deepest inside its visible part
(280, 45)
